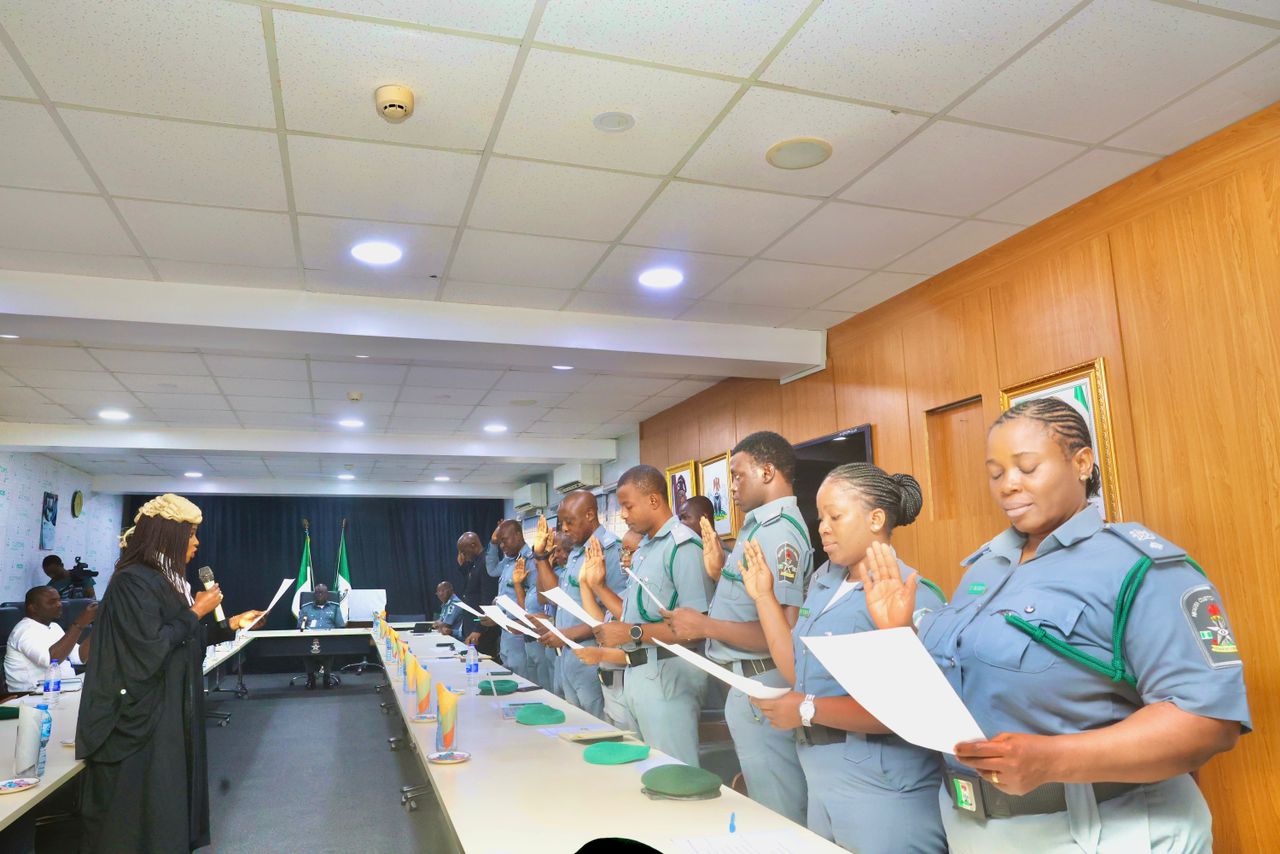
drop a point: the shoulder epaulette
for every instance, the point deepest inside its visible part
(1149, 544)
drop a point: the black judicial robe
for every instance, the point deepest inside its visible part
(141, 726)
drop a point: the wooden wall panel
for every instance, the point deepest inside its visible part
(682, 438)
(717, 428)
(653, 444)
(757, 406)
(809, 407)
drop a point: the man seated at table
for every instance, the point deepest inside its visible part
(320, 614)
(37, 639)
(451, 613)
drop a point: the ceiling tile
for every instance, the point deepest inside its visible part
(616, 399)
(216, 235)
(561, 201)
(1107, 66)
(566, 381)
(559, 429)
(656, 304)
(370, 284)
(16, 354)
(15, 396)
(749, 315)
(735, 151)
(520, 259)
(180, 161)
(515, 418)
(326, 245)
(432, 410)
(818, 319)
(205, 61)
(496, 17)
(717, 219)
(364, 410)
(922, 60)
(266, 388)
(145, 362)
(437, 396)
(58, 222)
(508, 296)
(267, 369)
(551, 112)
(184, 401)
(702, 272)
(1241, 91)
(87, 380)
(518, 397)
(340, 390)
(1067, 185)
(330, 67)
(631, 385)
(1261, 8)
(236, 275)
(35, 152)
(270, 404)
(197, 417)
(164, 383)
(371, 181)
(730, 38)
(958, 169)
(960, 243)
(789, 285)
(356, 372)
(116, 266)
(11, 80)
(687, 388)
(423, 425)
(432, 376)
(594, 413)
(872, 290)
(277, 421)
(858, 236)
(89, 400)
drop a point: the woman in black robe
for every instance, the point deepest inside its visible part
(141, 725)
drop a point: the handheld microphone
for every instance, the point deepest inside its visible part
(206, 578)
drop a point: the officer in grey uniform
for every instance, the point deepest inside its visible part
(320, 614)
(452, 616)
(762, 470)
(1065, 626)
(540, 661)
(505, 547)
(662, 694)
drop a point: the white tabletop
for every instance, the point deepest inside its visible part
(60, 762)
(570, 802)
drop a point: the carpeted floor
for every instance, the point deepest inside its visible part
(310, 771)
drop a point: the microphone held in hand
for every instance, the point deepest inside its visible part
(206, 578)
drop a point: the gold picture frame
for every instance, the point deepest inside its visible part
(1085, 387)
(682, 482)
(713, 482)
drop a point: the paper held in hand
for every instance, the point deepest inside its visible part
(893, 677)
(511, 607)
(495, 613)
(563, 600)
(547, 621)
(750, 687)
(284, 585)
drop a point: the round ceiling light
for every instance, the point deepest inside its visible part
(442, 478)
(346, 477)
(376, 252)
(351, 422)
(799, 153)
(113, 415)
(614, 122)
(10, 337)
(193, 474)
(562, 367)
(661, 278)
(495, 428)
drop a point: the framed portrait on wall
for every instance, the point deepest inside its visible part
(682, 481)
(1084, 387)
(713, 482)
(48, 521)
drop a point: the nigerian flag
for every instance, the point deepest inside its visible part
(304, 569)
(342, 580)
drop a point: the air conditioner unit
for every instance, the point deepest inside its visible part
(573, 476)
(531, 496)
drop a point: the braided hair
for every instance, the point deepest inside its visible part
(898, 495)
(1067, 426)
(160, 544)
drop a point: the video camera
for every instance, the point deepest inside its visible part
(81, 572)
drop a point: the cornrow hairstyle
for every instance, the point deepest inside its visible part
(160, 544)
(765, 447)
(898, 495)
(1067, 426)
(647, 479)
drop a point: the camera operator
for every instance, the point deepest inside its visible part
(76, 583)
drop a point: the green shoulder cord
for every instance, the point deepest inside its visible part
(733, 576)
(671, 576)
(935, 588)
(1116, 671)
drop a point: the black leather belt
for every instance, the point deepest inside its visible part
(637, 657)
(818, 735)
(751, 666)
(990, 802)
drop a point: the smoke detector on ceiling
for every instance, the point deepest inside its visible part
(395, 103)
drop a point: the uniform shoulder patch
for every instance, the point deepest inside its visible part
(680, 533)
(768, 517)
(1208, 621)
(973, 558)
(1152, 545)
(788, 561)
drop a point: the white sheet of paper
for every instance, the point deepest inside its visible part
(893, 676)
(495, 613)
(513, 608)
(563, 600)
(752, 842)
(547, 621)
(284, 585)
(469, 609)
(646, 589)
(750, 687)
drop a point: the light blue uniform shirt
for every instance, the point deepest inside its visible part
(501, 567)
(326, 616)
(452, 615)
(780, 530)
(1178, 644)
(613, 575)
(670, 564)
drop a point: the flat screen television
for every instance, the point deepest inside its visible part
(817, 457)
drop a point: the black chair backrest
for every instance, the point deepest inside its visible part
(72, 608)
(406, 618)
(308, 596)
(9, 617)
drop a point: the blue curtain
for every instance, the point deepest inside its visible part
(403, 545)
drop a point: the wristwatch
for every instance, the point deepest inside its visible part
(807, 710)
(637, 633)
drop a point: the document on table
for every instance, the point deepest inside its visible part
(511, 607)
(546, 621)
(750, 687)
(893, 676)
(563, 600)
(495, 613)
(284, 585)
(751, 842)
(646, 589)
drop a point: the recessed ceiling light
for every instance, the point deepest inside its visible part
(351, 422)
(495, 428)
(661, 277)
(193, 474)
(361, 356)
(800, 153)
(346, 477)
(376, 252)
(113, 415)
(614, 122)
(442, 478)
(562, 367)
(10, 337)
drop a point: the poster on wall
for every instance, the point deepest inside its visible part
(48, 521)
(713, 480)
(682, 481)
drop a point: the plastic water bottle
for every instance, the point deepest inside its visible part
(473, 667)
(46, 730)
(52, 683)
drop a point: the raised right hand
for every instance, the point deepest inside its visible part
(712, 550)
(206, 601)
(519, 572)
(890, 600)
(493, 538)
(542, 537)
(591, 574)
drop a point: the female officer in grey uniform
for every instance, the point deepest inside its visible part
(869, 790)
(1095, 728)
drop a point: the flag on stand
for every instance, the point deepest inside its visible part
(342, 580)
(304, 569)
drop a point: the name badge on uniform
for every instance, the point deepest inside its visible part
(804, 612)
(966, 793)
(977, 588)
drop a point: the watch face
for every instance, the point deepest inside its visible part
(636, 633)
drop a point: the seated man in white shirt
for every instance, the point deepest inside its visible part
(38, 639)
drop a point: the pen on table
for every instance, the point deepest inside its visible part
(732, 827)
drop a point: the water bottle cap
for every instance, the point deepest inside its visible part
(54, 661)
(44, 706)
